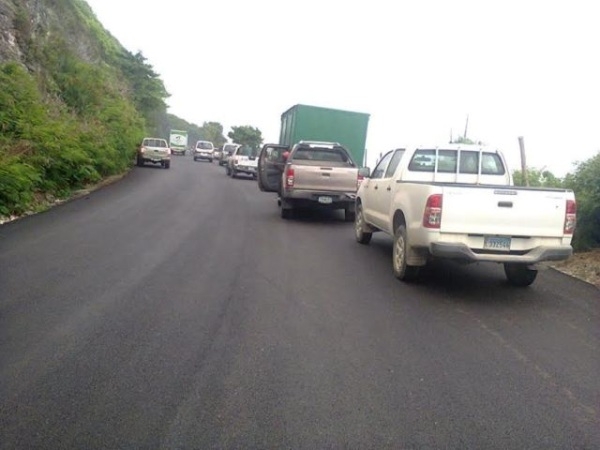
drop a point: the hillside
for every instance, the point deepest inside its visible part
(74, 103)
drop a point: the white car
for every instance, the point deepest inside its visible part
(204, 150)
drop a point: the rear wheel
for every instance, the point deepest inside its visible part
(140, 162)
(167, 164)
(402, 271)
(362, 237)
(349, 215)
(287, 212)
(233, 173)
(519, 274)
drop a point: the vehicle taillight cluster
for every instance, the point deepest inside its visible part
(359, 179)
(432, 216)
(289, 177)
(570, 217)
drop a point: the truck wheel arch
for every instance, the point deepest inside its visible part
(398, 220)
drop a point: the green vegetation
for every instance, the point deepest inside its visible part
(585, 182)
(246, 135)
(73, 110)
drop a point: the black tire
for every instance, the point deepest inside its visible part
(519, 274)
(287, 213)
(140, 162)
(233, 173)
(210, 160)
(227, 171)
(362, 237)
(168, 165)
(402, 271)
(349, 215)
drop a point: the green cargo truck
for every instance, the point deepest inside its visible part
(313, 123)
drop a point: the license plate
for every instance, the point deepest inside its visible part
(325, 200)
(496, 243)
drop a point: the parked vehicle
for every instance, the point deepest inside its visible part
(314, 175)
(313, 123)
(203, 150)
(228, 149)
(458, 202)
(154, 150)
(242, 160)
(178, 141)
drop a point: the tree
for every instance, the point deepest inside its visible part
(213, 131)
(538, 178)
(246, 135)
(464, 140)
(585, 182)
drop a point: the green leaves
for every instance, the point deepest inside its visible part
(246, 135)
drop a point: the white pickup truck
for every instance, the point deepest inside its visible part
(458, 202)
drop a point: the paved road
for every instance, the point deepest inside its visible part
(175, 309)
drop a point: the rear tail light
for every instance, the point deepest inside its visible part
(432, 216)
(359, 179)
(142, 149)
(289, 177)
(570, 217)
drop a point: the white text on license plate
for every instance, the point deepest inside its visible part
(325, 200)
(496, 243)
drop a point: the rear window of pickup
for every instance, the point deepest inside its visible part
(322, 154)
(448, 161)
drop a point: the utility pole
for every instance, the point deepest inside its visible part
(524, 176)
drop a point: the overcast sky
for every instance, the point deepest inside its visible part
(516, 68)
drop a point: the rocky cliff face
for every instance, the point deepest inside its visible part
(27, 24)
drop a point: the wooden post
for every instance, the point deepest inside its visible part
(524, 176)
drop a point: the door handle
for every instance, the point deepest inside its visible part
(388, 188)
(375, 187)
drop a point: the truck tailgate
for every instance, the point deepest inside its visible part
(503, 211)
(325, 177)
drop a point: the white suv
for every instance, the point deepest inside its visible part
(204, 150)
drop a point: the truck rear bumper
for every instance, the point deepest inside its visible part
(452, 250)
(320, 199)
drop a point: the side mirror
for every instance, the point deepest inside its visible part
(364, 172)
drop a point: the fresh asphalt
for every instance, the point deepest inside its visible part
(176, 309)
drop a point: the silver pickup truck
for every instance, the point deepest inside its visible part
(311, 175)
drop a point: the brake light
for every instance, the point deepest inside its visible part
(570, 217)
(359, 179)
(142, 149)
(432, 216)
(289, 177)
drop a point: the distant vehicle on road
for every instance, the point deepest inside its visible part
(242, 160)
(154, 150)
(228, 149)
(203, 150)
(178, 141)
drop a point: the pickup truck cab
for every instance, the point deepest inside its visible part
(311, 175)
(458, 202)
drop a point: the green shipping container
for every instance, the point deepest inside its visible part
(313, 123)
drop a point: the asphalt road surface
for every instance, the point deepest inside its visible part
(176, 309)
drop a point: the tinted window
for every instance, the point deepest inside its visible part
(204, 145)
(391, 170)
(469, 162)
(491, 164)
(423, 161)
(380, 168)
(320, 154)
(246, 151)
(447, 161)
(155, 143)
